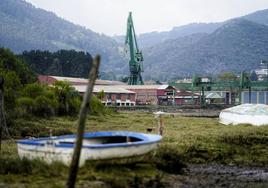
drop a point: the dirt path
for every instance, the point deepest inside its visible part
(214, 175)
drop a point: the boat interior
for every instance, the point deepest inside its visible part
(101, 140)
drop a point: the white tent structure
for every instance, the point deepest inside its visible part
(255, 114)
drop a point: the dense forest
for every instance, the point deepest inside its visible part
(69, 63)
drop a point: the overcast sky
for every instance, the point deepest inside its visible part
(109, 16)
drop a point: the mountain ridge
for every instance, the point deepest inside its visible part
(203, 48)
(26, 27)
(238, 45)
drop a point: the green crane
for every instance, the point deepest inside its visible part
(136, 58)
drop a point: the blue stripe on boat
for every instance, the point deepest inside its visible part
(145, 139)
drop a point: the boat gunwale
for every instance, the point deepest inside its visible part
(145, 140)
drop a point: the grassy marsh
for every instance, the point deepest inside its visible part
(186, 140)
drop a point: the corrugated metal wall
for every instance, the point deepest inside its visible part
(257, 97)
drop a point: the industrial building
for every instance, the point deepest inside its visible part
(119, 94)
(152, 94)
(45, 79)
(113, 95)
(184, 97)
(256, 97)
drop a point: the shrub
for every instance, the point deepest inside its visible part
(44, 106)
(68, 98)
(96, 107)
(74, 106)
(33, 90)
(26, 103)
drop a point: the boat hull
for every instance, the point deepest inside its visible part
(61, 148)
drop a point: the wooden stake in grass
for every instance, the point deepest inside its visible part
(85, 108)
(160, 125)
(158, 115)
(3, 124)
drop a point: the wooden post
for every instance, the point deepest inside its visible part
(160, 125)
(3, 124)
(85, 107)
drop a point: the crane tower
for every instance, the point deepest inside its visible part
(136, 58)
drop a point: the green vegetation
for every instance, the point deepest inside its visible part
(234, 47)
(202, 48)
(68, 63)
(27, 98)
(16, 74)
(186, 140)
(228, 77)
(25, 27)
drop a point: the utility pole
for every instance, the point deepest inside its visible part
(1, 104)
(85, 108)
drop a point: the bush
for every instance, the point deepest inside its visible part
(68, 98)
(33, 90)
(37, 99)
(44, 106)
(96, 107)
(26, 105)
(74, 106)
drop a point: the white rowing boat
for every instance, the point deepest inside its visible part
(96, 146)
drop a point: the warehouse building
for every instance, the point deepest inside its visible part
(152, 94)
(74, 81)
(119, 94)
(113, 95)
(256, 97)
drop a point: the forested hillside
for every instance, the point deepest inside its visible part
(24, 27)
(236, 46)
(203, 48)
(68, 63)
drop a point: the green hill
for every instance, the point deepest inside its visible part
(24, 27)
(203, 48)
(237, 45)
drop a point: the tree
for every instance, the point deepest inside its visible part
(227, 77)
(68, 98)
(12, 87)
(62, 63)
(9, 62)
(253, 76)
(16, 74)
(101, 95)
